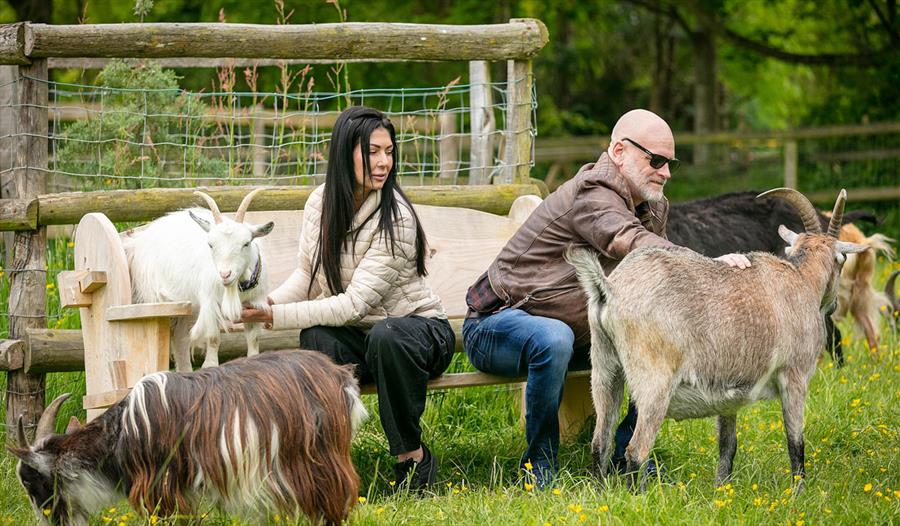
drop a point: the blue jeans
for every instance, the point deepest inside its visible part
(514, 343)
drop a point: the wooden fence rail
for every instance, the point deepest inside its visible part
(520, 39)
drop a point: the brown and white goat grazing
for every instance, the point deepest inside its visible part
(268, 433)
(855, 293)
(695, 338)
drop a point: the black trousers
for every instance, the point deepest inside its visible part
(399, 355)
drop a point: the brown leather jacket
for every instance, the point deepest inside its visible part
(593, 209)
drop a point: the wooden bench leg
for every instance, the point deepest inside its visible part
(576, 407)
(574, 410)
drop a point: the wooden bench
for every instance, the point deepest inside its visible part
(462, 244)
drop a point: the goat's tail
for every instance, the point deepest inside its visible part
(358, 412)
(590, 274)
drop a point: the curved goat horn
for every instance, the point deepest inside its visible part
(837, 215)
(801, 204)
(890, 292)
(245, 204)
(21, 439)
(47, 423)
(213, 207)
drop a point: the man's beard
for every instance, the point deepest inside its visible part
(652, 195)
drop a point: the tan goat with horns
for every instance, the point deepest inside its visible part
(695, 338)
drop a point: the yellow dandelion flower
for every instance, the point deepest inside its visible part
(379, 511)
(720, 503)
(884, 308)
(827, 510)
(754, 487)
(70, 244)
(788, 491)
(603, 509)
(362, 500)
(557, 491)
(799, 523)
(122, 524)
(879, 494)
(855, 402)
(547, 524)
(392, 483)
(582, 517)
(758, 501)
(897, 493)
(50, 286)
(528, 466)
(867, 488)
(843, 380)
(529, 487)
(797, 478)
(46, 512)
(693, 475)
(154, 519)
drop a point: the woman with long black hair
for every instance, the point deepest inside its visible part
(359, 293)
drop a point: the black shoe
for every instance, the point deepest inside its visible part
(657, 470)
(417, 476)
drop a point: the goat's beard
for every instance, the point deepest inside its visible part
(231, 303)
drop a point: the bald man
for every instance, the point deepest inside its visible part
(527, 313)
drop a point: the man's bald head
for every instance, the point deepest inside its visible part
(641, 125)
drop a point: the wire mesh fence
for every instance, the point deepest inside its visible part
(136, 128)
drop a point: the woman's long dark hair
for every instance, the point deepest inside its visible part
(354, 126)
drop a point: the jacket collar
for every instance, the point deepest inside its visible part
(369, 206)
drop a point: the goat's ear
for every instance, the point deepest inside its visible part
(787, 234)
(74, 425)
(849, 248)
(262, 230)
(204, 224)
(38, 461)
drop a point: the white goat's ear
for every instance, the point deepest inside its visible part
(787, 234)
(845, 247)
(204, 224)
(262, 230)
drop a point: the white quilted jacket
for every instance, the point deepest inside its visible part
(376, 283)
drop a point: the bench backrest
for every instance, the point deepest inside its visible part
(462, 244)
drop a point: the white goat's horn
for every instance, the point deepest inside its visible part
(213, 207)
(837, 215)
(47, 423)
(801, 205)
(245, 204)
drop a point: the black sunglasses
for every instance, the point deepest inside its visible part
(657, 161)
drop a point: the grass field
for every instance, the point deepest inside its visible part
(852, 452)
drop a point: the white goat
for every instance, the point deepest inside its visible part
(216, 266)
(695, 338)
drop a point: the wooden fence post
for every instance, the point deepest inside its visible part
(519, 139)
(483, 124)
(7, 146)
(791, 158)
(28, 273)
(448, 148)
(258, 144)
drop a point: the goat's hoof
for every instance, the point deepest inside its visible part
(209, 364)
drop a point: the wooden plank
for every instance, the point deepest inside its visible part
(18, 214)
(518, 39)
(517, 157)
(12, 44)
(141, 311)
(70, 294)
(201, 62)
(147, 204)
(12, 354)
(28, 272)
(855, 195)
(92, 280)
(103, 400)
(474, 379)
